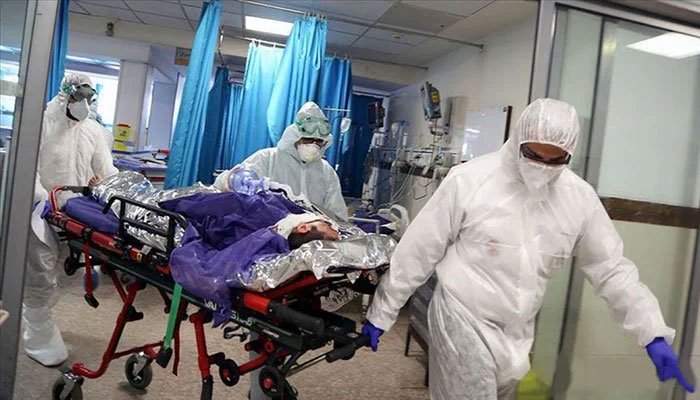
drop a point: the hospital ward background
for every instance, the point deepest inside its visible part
(233, 199)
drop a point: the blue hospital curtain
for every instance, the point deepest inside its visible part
(183, 161)
(356, 146)
(216, 117)
(261, 69)
(335, 91)
(224, 159)
(299, 73)
(59, 50)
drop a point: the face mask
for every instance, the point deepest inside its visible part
(309, 152)
(537, 175)
(79, 110)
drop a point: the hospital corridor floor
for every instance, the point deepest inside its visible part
(86, 331)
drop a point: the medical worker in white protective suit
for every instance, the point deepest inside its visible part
(297, 161)
(73, 152)
(74, 148)
(495, 231)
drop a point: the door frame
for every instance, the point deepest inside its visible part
(544, 71)
(24, 148)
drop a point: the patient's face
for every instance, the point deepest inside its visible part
(321, 226)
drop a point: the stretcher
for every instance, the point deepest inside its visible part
(288, 320)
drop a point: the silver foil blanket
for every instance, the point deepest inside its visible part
(357, 250)
(134, 186)
(322, 257)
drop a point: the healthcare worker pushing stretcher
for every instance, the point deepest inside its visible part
(495, 231)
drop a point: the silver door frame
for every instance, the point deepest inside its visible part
(539, 86)
(24, 149)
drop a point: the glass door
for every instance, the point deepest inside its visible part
(26, 29)
(637, 91)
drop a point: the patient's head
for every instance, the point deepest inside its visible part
(308, 231)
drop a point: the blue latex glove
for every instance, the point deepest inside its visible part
(368, 329)
(46, 210)
(666, 363)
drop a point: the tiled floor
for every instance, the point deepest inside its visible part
(383, 375)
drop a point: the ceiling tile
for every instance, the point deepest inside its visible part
(109, 12)
(346, 27)
(263, 12)
(381, 46)
(340, 39)
(167, 22)
(192, 3)
(229, 19)
(366, 54)
(74, 6)
(192, 13)
(426, 52)
(232, 6)
(422, 19)
(107, 3)
(156, 7)
(493, 18)
(463, 8)
(394, 36)
(368, 10)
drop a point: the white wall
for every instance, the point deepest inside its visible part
(82, 44)
(132, 97)
(161, 121)
(497, 75)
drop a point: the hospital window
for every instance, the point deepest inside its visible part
(9, 72)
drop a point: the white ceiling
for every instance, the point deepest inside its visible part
(465, 20)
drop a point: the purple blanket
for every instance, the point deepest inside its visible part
(227, 233)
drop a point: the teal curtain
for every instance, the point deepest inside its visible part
(299, 73)
(356, 146)
(335, 92)
(226, 150)
(183, 161)
(261, 72)
(59, 50)
(216, 117)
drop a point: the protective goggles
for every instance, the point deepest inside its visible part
(528, 153)
(311, 126)
(79, 92)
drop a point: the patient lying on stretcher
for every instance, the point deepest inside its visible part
(238, 241)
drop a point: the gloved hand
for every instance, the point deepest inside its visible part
(666, 363)
(368, 329)
(46, 210)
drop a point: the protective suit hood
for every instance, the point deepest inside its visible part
(545, 121)
(292, 134)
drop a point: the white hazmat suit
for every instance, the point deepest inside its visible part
(71, 153)
(41, 337)
(316, 180)
(495, 231)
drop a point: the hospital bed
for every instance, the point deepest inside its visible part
(288, 319)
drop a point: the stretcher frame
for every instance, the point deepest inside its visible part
(288, 319)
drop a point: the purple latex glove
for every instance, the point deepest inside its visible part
(666, 363)
(368, 329)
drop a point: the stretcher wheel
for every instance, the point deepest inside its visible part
(70, 265)
(272, 382)
(143, 378)
(75, 394)
(229, 372)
